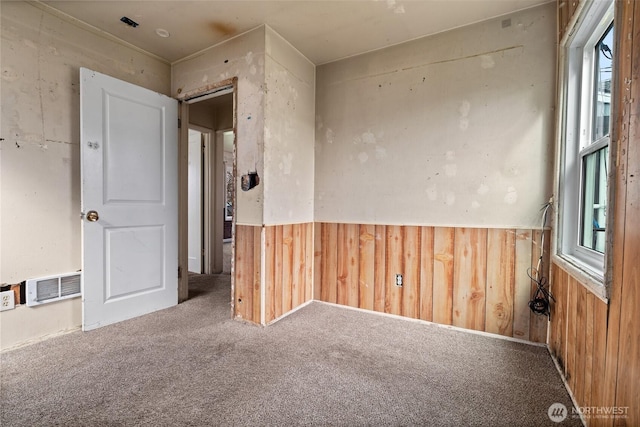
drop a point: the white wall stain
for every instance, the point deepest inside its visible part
(464, 109)
(287, 162)
(253, 70)
(451, 169)
(450, 155)
(512, 196)
(29, 43)
(249, 57)
(368, 138)
(329, 135)
(483, 189)
(381, 152)
(205, 78)
(486, 62)
(449, 198)
(475, 204)
(363, 157)
(432, 193)
(9, 74)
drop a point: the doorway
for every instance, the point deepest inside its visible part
(211, 183)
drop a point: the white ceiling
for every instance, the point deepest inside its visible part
(323, 30)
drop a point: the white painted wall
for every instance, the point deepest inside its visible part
(40, 157)
(452, 129)
(289, 119)
(195, 201)
(241, 57)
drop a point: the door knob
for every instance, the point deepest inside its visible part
(92, 216)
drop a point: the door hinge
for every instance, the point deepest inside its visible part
(179, 272)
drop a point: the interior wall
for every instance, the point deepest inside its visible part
(242, 57)
(40, 163)
(451, 130)
(289, 133)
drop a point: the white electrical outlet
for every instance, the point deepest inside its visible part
(7, 300)
(398, 279)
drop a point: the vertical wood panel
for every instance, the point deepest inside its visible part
(318, 262)
(470, 263)
(500, 281)
(522, 286)
(270, 273)
(570, 362)
(557, 340)
(309, 259)
(588, 349)
(380, 273)
(538, 323)
(256, 302)
(599, 353)
(367, 266)
(297, 266)
(443, 248)
(287, 267)
(394, 265)
(580, 348)
(329, 263)
(348, 265)
(426, 274)
(244, 272)
(278, 273)
(411, 272)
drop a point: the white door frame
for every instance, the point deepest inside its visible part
(183, 180)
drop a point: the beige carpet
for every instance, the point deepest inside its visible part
(191, 365)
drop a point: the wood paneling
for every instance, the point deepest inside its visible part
(501, 270)
(577, 339)
(455, 276)
(289, 259)
(566, 10)
(247, 273)
(443, 243)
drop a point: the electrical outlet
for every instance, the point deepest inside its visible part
(7, 300)
(399, 280)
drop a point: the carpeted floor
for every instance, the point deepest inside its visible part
(191, 365)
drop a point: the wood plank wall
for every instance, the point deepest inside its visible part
(577, 338)
(598, 346)
(288, 268)
(288, 275)
(473, 278)
(247, 271)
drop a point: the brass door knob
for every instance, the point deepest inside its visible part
(92, 216)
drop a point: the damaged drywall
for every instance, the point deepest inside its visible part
(289, 133)
(452, 129)
(241, 57)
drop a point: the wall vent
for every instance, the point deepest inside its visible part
(53, 288)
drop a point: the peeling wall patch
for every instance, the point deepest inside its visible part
(363, 157)
(483, 189)
(381, 152)
(511, 197)
(486, 62)
(329, 135)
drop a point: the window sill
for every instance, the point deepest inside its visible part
(587, 277)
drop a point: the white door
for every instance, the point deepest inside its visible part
(195, 201)
(129, 148)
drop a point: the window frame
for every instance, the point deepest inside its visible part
(577, 100)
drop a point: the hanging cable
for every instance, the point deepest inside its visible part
(541, 299)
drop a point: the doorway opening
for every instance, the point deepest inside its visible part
(210, 182)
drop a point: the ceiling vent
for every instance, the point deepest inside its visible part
(53, 288)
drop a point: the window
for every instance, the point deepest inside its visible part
(587, 84)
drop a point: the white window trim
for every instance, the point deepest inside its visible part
(576, 55)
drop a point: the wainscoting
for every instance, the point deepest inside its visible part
(288, 270)
(473, 278)
(578, 339)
